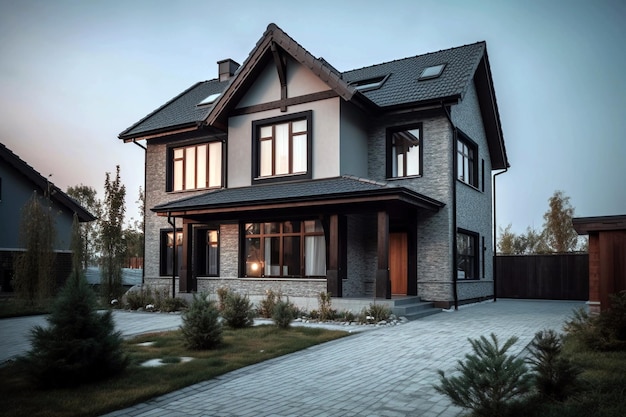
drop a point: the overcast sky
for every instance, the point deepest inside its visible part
(74, 74)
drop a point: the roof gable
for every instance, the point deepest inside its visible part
(42, 183)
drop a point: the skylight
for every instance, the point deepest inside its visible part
(370, 83)
(210, 99)
(432, 72)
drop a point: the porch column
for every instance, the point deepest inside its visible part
(334, 281)
(185, 282)
(383, 284)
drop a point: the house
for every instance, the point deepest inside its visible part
(607, 255)
(283, 173)
(18, 181)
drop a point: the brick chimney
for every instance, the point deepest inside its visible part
(227, 68)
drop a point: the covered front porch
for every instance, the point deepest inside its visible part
(367, 233)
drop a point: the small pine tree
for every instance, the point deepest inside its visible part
(555, 376)
(284, 313)
(80, 345)
(238, 311)
(489, 378)
(201, 326)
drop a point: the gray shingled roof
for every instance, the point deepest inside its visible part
(181, 111)
(401, 88)
(325, 189)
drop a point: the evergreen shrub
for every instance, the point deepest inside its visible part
(201, 327)
(284, 313)
(238, 311)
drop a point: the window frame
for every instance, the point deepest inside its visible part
(390, 150)
(171, 168)
(473, 258)
(256, 148)
(468, 160)
(203, 231)
(163, 251)
(259, 257)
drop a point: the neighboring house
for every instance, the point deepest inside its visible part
(18, 182)
(286, 174)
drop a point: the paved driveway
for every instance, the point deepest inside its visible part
(384, 372)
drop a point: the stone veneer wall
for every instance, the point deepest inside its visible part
(362, 256)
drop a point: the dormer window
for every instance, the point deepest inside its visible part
(432, 72)
(369, 84)
(209, 100)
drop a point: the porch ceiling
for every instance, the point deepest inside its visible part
(331, 194)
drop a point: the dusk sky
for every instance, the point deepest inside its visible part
(74, 74)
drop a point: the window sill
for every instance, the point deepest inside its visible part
(410, 177)
(194, 189)
(281, 178)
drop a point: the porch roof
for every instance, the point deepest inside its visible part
(322, 192)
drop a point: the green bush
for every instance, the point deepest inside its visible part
(379, 312)
(603, 332)
(163, 301)
(222, 293)
(80, 345)
(555, 375)
(284, 313)
(238, 311)
(201, 327)
(136, 299)
(267, 304)
(489, 378)
(325, 306)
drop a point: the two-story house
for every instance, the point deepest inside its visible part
(286, 174)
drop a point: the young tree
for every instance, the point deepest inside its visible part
(112, 244)
(506, 243)
(86, 196)
(34, 268)
(558, 229)
(80, 344)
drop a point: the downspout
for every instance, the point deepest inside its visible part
(172, 221)
(495, 273)
(143, 243)
(454, 233)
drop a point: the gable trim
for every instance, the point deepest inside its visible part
(308, 98)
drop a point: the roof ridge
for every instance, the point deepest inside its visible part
(412, 57)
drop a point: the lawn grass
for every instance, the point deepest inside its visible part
(602, 391)
(240, 348)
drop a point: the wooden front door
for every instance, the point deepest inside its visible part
(398, 263)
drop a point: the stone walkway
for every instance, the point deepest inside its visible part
(388, 371)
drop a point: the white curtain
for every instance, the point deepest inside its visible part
(315, 256)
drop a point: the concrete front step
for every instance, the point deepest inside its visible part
(413, 308)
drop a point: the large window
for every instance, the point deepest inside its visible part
(467, 162)
(285, 249)
(195, 167)
(169, 246)
(404, 152)
(467, 255)
(282, 146)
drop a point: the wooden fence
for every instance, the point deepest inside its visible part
(550, 277)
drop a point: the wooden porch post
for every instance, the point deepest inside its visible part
(383, 284)
(334, 282)
(185, 282)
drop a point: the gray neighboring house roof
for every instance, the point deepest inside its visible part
(42, 183)
(401, 88)
(308, 191)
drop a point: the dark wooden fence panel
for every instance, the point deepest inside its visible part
(550, 277)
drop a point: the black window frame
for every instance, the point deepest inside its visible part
(201, 242)
(469, 159)
(163, 252)
(169, 182)
(257, 256)
(390, 146)
(256, 148)
(473, 259)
